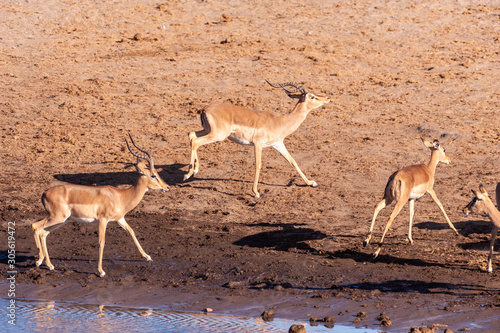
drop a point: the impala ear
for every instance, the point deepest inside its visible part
(428, 144)
(482, 189)
(141, 167)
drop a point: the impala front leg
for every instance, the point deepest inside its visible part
(280, 146)
(492, 245)
(440, 205)
(102, 239)
(411, 203)
(258, 165)
(127, 227)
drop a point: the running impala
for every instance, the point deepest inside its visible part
(254, 128)
(483, 204)
(409, 184)
(101, 204)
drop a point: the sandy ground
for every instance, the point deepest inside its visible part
(77, 76)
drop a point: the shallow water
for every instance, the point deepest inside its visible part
(55, 316)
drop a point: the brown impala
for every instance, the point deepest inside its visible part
(483, 204)
(254, 128)
(101, 204)
(407, 185)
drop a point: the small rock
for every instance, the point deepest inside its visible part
(329, 319)
(314, 319)
(207, 310)
(297, 329)
(361, 315)
(385, 321)
(225, 18)
(267, 315)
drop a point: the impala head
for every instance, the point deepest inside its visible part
(478, 201)
(302, 94)
(436, 148)
(148, 170)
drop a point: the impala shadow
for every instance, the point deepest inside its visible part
(171, 174)
(284, 239)
(363, 257)
(460, 226)
(421, 287)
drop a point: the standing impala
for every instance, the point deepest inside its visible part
(101, 204)
(482, 203)
(409, 184)
(255, 128)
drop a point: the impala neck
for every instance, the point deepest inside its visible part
(133, 195)
(297, 116)
(492, 212)
(433, 162)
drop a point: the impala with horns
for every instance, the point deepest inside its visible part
(483, 204)
(255, 128)
(101, 204)
(409, 184)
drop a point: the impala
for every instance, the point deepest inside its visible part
(409, 184)
(482, 203)
(101, 204)
(255, 128)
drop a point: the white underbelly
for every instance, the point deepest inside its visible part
(416, 195)
(83, 219)
(240, 140)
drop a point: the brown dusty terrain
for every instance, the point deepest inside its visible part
(77, 76)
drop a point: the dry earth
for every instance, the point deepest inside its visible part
(77, 76)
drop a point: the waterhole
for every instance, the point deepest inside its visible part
(55, 316)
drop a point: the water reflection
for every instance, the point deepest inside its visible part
(43, 316)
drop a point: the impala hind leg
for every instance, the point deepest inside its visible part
(492, 245)
(194, 163)
(127, 227)
(37, 226)
(42, 230)
(381, 205)
(198, 140)
(399, 205)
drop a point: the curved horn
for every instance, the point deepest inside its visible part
(148, 156)
(300, 88)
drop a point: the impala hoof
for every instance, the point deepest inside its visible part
(314, 184)
(257, 195)
(102, 274)
(186, 177)
(39, 262)
(51, 267)
(375, 255)
(148, 258)
(367, 240)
